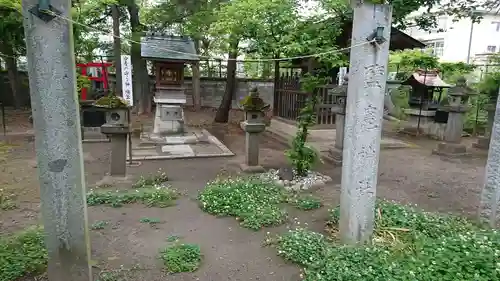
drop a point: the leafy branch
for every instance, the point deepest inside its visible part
(302, 156)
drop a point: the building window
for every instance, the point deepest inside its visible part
(496, 25)
(437, 47)
(491, 49)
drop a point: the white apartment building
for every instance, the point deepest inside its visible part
(461, 40)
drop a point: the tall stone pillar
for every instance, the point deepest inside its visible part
(489, 206)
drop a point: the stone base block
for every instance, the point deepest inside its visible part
(251, 169)
(114, 181)
(451, 150)
(482, 143)
(336, 155)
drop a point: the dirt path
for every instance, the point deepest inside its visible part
(231, 252)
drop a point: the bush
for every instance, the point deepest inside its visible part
(255, 202)
(181, 258)
(22, 254)
(152, 197)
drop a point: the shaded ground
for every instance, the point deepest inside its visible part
(230, 252)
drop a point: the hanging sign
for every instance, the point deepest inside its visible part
(127, 80)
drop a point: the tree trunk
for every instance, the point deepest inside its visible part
(222, 115)
(11, 65)
(117, 49)
(139, 66)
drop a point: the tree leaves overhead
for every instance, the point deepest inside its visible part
(11, 28)
(264, 27)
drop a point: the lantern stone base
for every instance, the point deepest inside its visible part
(482, 143)
(252, 134)
(451, 150)
(118, 135)
(252, 169)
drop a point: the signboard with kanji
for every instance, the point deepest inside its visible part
(127, 80)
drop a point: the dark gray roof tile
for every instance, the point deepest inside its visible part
(158, 46)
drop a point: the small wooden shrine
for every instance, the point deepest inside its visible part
(427, 88)
(169, 55)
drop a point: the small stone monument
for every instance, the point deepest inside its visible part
(253, 126)
(117, 128)
(458, 97)
(340, 97)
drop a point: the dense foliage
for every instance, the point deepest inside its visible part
(303, 156)
(181, 258)
(22, 254)
(408, 244)
(253, 202)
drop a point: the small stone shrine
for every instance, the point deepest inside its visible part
(168, 54)
(424, 101)
(458, 97)
(171, 137)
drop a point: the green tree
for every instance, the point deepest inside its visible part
(264, 24)
(12, 42)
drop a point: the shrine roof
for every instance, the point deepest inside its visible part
(159, 46)
(429, 78)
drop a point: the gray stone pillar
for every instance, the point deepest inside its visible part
(340, 95)
(252, 131)
(252, 149)
(489, 209)
(52, 85)
(118, 163)
(363, 123)
(458, 97)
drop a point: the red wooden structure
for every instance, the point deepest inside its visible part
(100, 78)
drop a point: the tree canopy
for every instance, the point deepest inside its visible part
(255, 28)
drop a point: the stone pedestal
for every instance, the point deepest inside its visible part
(169, 120)
(118, 167)
(451, 147)
(340, 95)
(169, 114)
(482, 143)
(253, 131)
(118, 160)
(337, 150)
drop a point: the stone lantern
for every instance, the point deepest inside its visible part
(458, 98)
(117, 128)
(254, 108)
(340, 98)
